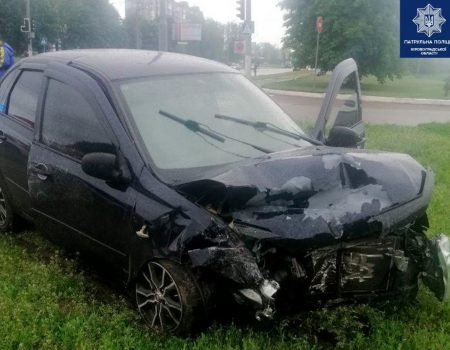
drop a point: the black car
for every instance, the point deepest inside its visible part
(199, 191)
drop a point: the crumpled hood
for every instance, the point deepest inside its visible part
(317, 195)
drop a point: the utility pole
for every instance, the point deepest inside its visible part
(248, 41)
(163, 30)
(244, 12)
(30, 33)
(137, 24)
(317, 58)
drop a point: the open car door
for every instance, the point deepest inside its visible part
(340, 121)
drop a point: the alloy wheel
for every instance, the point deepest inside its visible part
(158, 298)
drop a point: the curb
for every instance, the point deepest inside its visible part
(412, 101)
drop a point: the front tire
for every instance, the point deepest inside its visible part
(169, 298)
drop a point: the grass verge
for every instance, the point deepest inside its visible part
(411, 86)
(48, 301)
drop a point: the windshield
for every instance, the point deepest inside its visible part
(178, 118)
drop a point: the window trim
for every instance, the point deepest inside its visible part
(21, 120)
(98, 112)
(57, 151)
(14, 74)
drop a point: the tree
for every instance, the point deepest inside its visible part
(268, 53)
(11, 18)
(77, 23)
(212, 44)
(141, 33)
(46, 16)
(366, 30)
(91, 24)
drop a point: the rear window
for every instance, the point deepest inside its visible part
(24, 97)
(5, 88)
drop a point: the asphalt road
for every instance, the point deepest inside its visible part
(306, 109)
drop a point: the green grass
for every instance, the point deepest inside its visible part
(409, 86)
(51, 302)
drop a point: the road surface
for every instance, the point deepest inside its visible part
(306, 109)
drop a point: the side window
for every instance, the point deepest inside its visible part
(5, 87)
(70, 124)
(24, 97)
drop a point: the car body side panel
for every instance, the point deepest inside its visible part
(165, 222)
(78, 211)
(75, 209)
(14, 153)
(15, 143)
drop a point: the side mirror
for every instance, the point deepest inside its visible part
(341, 136)
(105, 166)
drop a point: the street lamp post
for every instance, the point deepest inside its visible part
(244, 12)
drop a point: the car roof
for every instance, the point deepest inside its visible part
(124, 64)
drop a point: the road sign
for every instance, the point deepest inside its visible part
(44, 41)
(319, 29)
(191, 32)
(187, 32)
(248, 27)
(319, 24)
(239, 47)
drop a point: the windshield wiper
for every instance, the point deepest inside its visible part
(264, 126)
(206, 130)
(193, 126)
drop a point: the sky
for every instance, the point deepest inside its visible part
(267, 15)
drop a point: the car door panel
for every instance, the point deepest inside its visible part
(75, 209)
(16, 136)
(342, 105)
(14, 152)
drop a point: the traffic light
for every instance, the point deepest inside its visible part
(26, 27)
(33, 26)
(240, 9)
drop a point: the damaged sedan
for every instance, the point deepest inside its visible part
(196, 189)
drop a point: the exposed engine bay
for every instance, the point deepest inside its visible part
(364, 270)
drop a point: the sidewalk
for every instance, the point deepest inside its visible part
(413, 101)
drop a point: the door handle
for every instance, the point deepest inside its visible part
(41, 170)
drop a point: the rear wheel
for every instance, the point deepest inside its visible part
(169, 298)
(7, 217)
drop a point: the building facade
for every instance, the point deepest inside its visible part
(151, 9)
